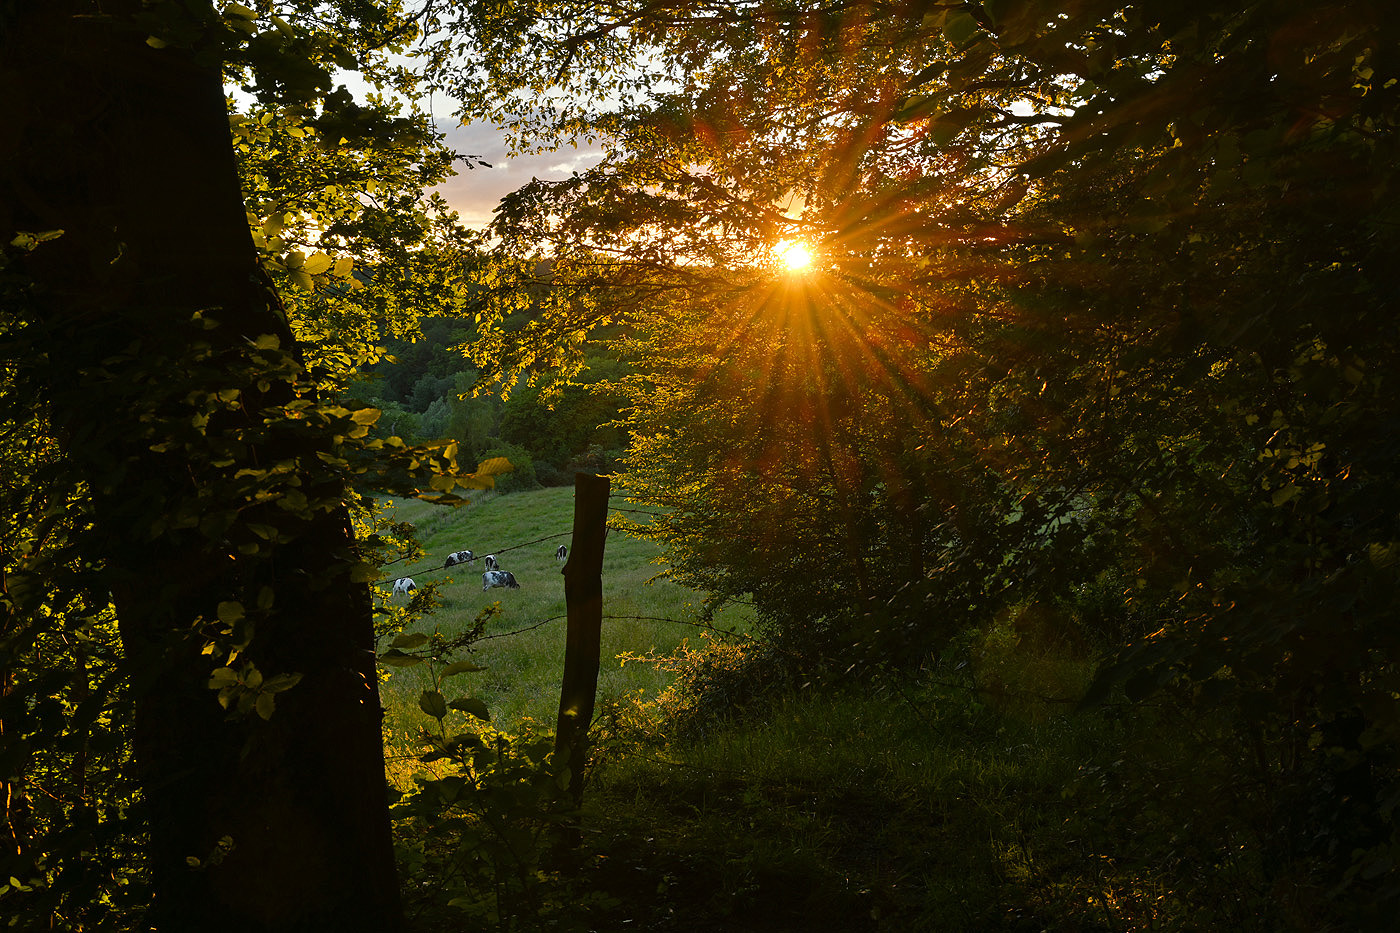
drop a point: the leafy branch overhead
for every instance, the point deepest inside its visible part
(1097, 305)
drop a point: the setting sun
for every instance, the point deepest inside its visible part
(794, 255)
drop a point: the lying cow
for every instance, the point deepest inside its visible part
(404, 585)
(498, 578)
(490, 561)
(459, 557)
(562, 553)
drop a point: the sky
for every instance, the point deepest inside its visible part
(474, 193)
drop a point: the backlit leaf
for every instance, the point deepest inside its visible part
(316, 263)
(432, 703)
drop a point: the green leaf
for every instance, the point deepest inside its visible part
(396, 658)
(461, 667)
(473, 706)
(316, 263)
(222, 677)
(945, 127)
(230, 612)
(282, 683)
(432, 703)
(494, 467)
(265, 704)
(409, 640)
(364, 572)
(960, 28)
(27, 240)
(918, 107)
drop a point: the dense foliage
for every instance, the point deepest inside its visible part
(428, 389)
(187, 701)
(1096, 350)
(1102, 306)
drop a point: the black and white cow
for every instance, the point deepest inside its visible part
(562, 553)
(490, 561)
(459, 557)
(404, 585)
(498, 578)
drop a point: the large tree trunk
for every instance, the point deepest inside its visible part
(125, 148)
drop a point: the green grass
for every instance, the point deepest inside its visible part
(967, 799)
(916, 805)
(908, 809)
(523, 651)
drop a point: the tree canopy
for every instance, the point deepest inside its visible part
(1099, 312)
(1101, 299)
(187, 654)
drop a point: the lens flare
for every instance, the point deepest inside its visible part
(794, 255)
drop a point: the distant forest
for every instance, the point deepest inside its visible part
(424, 388)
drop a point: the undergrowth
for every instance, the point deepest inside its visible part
(731, 791)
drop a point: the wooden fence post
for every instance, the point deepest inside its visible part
(583, 600)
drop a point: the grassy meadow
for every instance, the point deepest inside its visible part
(956, 800)
(523, 648)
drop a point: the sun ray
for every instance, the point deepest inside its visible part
(794, 255)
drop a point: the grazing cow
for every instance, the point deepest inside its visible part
(404, 585)
(459, 557)
(562, 553)
(498, 578)
(490, 561)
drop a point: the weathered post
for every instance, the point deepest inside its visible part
(583, 600)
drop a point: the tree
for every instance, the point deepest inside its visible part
(1142, 247)
(192, 474)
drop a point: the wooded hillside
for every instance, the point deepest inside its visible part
(1079, 419)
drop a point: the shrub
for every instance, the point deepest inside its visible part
(522, 477)
(720, 681)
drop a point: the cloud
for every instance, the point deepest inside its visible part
(474, 193)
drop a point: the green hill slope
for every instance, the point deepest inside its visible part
(523, 650)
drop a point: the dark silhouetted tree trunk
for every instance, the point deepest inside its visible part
(583, 596)
(125, 148)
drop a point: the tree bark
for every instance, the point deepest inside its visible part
(583, 598)
(125, 148)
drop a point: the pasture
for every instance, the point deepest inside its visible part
(522, 650)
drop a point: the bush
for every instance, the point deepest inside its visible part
(719, 682)
(551, 475)
(522, 477)
(595, 459)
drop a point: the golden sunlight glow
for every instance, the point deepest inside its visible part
(794, 255)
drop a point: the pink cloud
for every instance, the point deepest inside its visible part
(474, 193)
